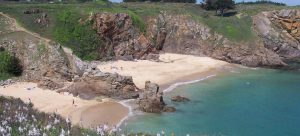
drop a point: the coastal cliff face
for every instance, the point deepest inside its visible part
(181, 34)
(122, 40)
(277, 40)
(280, 32)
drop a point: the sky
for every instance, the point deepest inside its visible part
(288, 2)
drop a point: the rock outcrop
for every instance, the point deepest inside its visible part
(39, 60)
(179, 98)
(280, 31)
(181, 34)
(151, 100)
(123, 40)
(7, 82)
(95, 83)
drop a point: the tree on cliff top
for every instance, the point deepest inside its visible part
(219, 5)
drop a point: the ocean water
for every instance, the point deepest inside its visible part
(246, 102)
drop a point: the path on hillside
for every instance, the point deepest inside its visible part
(20, 28)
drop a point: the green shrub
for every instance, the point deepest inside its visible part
(80, 37)
(9, 65)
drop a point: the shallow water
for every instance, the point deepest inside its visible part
(244, 103)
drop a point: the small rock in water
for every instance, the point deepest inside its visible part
(179, 98)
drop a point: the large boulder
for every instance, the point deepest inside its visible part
(151, 100)
(179, 98)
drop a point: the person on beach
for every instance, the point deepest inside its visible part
(80, 122)
(68, 123)
(73, 102)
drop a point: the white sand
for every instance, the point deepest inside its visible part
(90, 112)
(173, 68)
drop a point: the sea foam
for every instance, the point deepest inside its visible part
(173, 86)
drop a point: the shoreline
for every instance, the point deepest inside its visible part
(168, 88)
(200, 76)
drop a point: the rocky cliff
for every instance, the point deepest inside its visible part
(280, 32)
(181, 34)
(122, 40)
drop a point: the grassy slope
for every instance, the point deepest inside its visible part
(236, 27)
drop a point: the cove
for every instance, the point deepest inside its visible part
(245, 103)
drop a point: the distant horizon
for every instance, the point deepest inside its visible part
(287, 2)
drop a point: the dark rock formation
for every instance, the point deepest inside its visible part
(179, 98)
(95, 83)
(123, 41)
(151, 100)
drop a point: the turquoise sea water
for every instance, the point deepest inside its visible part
(249, 103)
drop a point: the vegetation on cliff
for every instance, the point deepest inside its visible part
(80, 37)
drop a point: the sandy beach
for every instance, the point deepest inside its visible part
(88, 113)
(171, 69)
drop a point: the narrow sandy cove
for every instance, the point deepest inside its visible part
(172, 68)
(88, 113)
